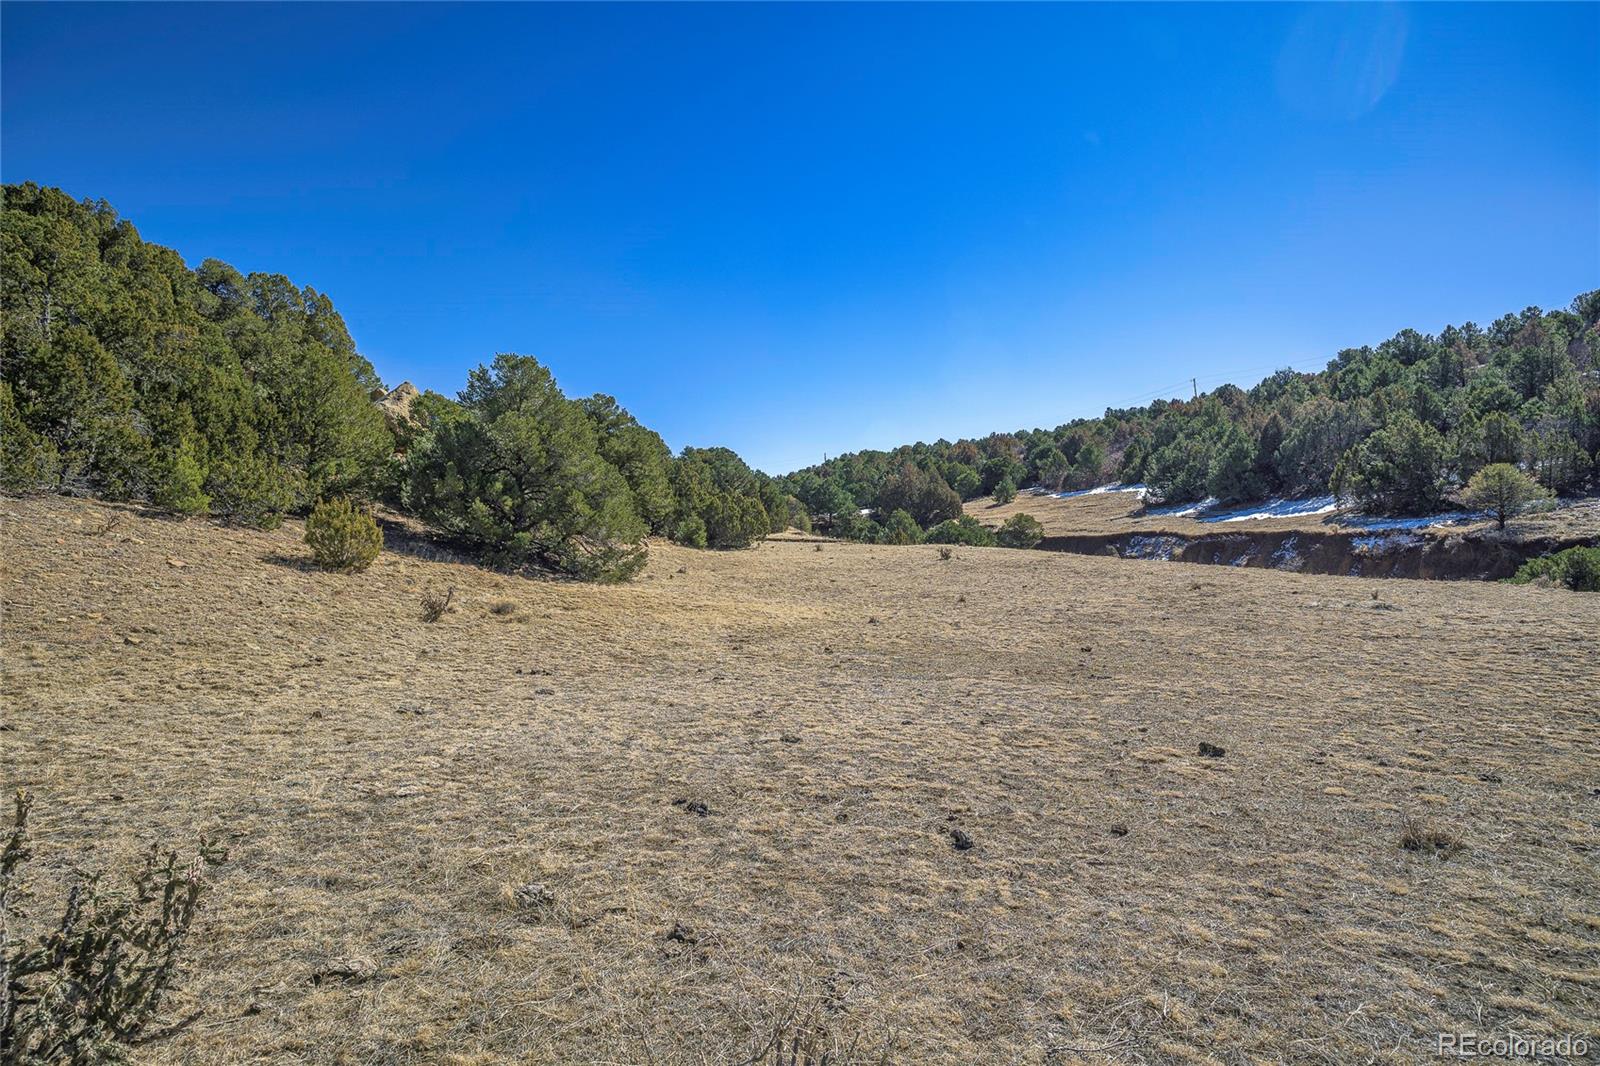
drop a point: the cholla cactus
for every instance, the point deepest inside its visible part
(92, 985)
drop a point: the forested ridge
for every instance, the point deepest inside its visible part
(1397, 428)
(130, 376)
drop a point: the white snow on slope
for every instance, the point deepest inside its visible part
(1275, 508)
(1115, 486)
(1184, 510)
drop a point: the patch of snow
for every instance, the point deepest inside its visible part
(1162, 548)
(1184, 510)
(1115, 486)
(1208, 511)
(1277, 507)
(1382, 524)
(1287, 556)
(1385, 542)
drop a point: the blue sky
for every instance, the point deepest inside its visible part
(798, 230)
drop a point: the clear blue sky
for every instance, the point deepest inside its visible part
(798, 230)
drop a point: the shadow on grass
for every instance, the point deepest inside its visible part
(404, 539)
(302, 563)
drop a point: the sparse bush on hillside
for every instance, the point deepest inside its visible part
(342, 537)
(1005, 492)
(85, 987)
(1020, 531)
(436, 604)
(1503, 491)
(1576, 568)
(812, 1036)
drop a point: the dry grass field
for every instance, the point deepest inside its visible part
(1123, 512)
(650, 823)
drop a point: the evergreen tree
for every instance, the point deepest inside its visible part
(1503, 491)
(523, 480)
(1020, 531)
(901, 528)
(1400, 469)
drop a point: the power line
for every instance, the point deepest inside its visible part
(1174, 390)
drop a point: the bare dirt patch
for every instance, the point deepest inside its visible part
(576, 829)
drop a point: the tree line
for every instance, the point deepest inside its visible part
(129, 376)
(1400, 428)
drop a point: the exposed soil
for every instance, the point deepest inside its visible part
(1116, 524)
(1477, 555)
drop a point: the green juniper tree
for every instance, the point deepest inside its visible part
(1503, 491)
(523, 479)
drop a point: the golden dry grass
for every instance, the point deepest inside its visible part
(1123, 512)
(388, 786)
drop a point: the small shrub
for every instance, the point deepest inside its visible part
(1005, 492)
(1575, 568)
(946, 553)
(177, 481)
(1020, 531)
(1429, 837)
(341, 537)
(503, 607)
(964, 530)
(92, 984)
(435, 603)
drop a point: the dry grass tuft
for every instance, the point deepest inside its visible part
(1429, 836)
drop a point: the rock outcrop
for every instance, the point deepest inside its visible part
(396, 406)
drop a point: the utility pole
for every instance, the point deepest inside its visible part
(1194, 384)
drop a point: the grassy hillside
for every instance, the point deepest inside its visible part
(651, 822)
(1397, 428)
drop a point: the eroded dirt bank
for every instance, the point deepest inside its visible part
(1479, 555)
